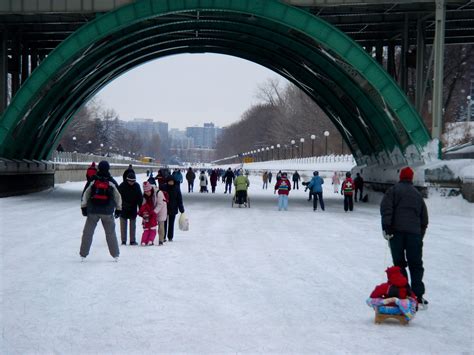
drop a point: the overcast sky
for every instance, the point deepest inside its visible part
(187, 90)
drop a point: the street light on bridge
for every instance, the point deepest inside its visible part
(313, 137)
(292, 147)
(272, 150)
(278, 151)
(326, 134)
(302, 147)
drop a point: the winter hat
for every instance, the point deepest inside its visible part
(131, 177)
(104, 166)
(406, 174)
(395, 276)
(147, 186)
(315, 173)
(93, 164)
(348, 174)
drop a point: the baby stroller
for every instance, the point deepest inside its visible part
(244, 199)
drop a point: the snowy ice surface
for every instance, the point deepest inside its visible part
(239, 281)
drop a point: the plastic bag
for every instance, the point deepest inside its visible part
(183, 222)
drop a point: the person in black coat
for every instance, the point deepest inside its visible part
(229, 179)
(190, 177)
(296, 179)
(132, 199)
(175, 204)
(358, 187)
(404, 222)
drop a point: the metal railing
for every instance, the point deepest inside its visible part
(71, 157)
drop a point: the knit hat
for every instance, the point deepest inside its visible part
(395, 276)
(406, 174)
(131, 177)
(93, 164)
(348, 174)
(147, 186)
(104, 166)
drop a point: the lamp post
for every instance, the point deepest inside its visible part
(278, 151)
(292, 147)
(89, 143)
(74, 143)
(313, 137)
(272, 147)
(268, 152)
(302, 147)
(326, 134)
(258, 153)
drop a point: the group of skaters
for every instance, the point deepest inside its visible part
(212, 177)
(104, 199)
(350, 189)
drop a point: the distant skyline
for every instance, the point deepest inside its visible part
(187, 90)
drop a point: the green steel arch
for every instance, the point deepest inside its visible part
(365, 104)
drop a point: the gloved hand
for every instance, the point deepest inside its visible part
(387, 232)
(84, 211)
(117, 213)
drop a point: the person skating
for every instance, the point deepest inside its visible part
(270, 175)
(265, 180)
(347, 189)
(336, 182)
(241, 183)
(91, 172)
(358, 187)
(132, 199)
(101, 201)
(203, 182)
(229, 178)
(147, 212)
(283, 186)
(177, 177)
(316, 188)
(296, 178)
(154, 200)
(175, 204)
(213, 178)
(404, 222)
(190, 177)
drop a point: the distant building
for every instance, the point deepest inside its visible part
(179, 140)
(204, 137)
(148, 127)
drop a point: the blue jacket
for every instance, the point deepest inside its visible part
(177, 176)
(316, 184)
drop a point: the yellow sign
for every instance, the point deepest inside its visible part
(248, 160)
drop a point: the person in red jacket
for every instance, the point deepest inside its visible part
(91, 171)
(147, 212)
(283, 186)
(396, 286)
(347, 189)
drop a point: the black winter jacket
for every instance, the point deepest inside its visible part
(403, 209)
(176, 200)
(132, 199)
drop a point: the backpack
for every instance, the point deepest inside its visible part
(203, 178)
(100, 191)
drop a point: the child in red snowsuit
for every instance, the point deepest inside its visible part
(147, 212)
(397, 286)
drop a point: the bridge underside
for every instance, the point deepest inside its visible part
(364, 103)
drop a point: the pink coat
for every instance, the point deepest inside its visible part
(161, 208)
